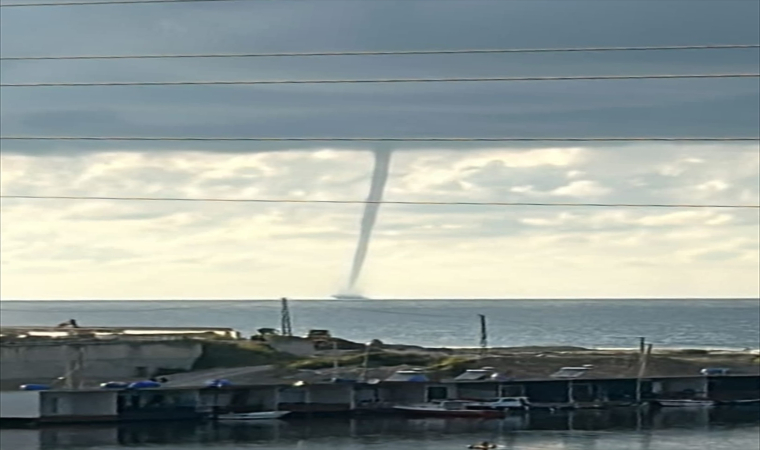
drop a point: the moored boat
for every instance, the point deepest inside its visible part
(685, 403)
(262, 415)
(448, 408)
(502, 404)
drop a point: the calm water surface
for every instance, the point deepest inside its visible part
(599, 430)
(587, 323)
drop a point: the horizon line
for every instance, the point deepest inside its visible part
(370, 299)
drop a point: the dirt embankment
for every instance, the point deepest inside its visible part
(441, 363)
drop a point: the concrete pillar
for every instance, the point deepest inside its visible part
(570, 396)
(307, 395)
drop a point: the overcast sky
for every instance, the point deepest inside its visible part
(101, 249)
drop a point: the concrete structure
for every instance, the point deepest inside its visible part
(59, 406)
(294, 345)
(90, 405)
(158, 404)
(46, 361)
(350, 398)
(20, 405)
(680, 387)
(106, 333)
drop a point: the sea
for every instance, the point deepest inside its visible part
(672, 323)
(693, 323)
(692, 429)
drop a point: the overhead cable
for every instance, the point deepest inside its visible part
(379, 80)
(387, 52)
(384, 202)
(107, 2)
(378, 139)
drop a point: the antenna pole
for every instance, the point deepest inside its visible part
(335, 358)
(642, 370)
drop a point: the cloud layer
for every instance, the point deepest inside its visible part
(94, 249)
(706, 107)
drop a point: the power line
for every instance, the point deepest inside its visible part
(113, 2)
(210, 309)
(384, 202)
(386, 52)
(381, 139)
(381, 80)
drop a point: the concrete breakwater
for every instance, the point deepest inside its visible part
(69, 355)
(79, 362)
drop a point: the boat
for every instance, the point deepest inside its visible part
(685, 403)
(262, 415)
(755, 401)
(483, 446)
(448, 408)
(502, 403)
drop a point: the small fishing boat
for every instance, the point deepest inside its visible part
(483, 446)
(747, 402)
(263, 415)
(686, 403)
(448, 408)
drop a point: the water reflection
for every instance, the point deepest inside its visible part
(583, 430)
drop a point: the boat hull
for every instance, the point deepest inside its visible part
(685, 403)
(264, 415)
(459, 413)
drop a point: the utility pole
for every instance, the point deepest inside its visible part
(286, 327)
(365, 364)
(74, 367)
(335, 359)
(483, 335)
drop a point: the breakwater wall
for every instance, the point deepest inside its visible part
(44, 362)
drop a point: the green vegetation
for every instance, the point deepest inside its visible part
(376, 359)
(239, 354)
(218, 354)
(226, 354)
(453, 365)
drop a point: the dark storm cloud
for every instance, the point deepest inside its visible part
(548, 109)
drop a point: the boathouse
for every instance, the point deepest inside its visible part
(343, 398)
(58, 406)
(99, 405)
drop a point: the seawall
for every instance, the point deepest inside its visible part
(44, 362)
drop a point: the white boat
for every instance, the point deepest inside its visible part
(502, 404)
(686, 403)
(263, 415)
(448, 408)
